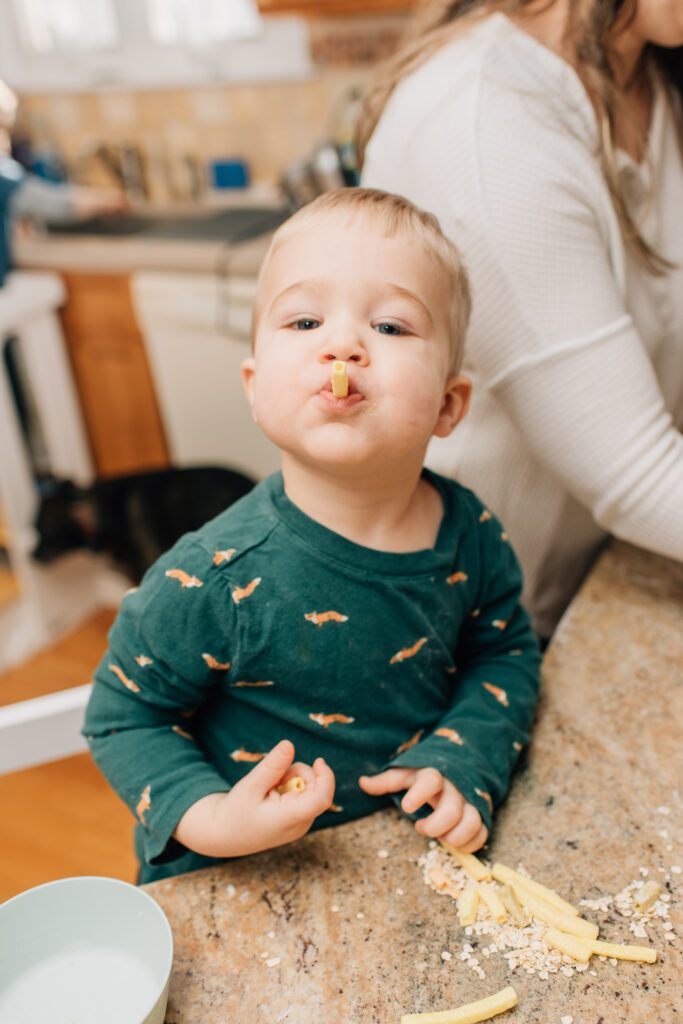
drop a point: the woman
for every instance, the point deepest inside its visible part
(547, 138)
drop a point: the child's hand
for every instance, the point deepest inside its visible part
(253, 816)
(453, 819)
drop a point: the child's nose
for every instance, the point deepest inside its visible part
(347, 352)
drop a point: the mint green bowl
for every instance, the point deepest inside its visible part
(84, 950)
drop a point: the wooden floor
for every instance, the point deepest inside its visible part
(62, 818)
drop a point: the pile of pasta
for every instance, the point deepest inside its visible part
(508, 894)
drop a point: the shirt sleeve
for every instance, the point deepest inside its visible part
(163, 660)
(42, 201)
(566, 359)
(478, 740)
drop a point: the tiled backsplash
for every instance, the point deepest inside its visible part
(267, 125)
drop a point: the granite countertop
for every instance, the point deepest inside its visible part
(326, 930)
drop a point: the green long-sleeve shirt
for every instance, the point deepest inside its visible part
(266, 625)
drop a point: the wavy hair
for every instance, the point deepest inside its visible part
(589, 35)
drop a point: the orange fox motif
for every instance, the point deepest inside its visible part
(518, 746)
(128, 683)
(410, 743)
(327, 720)
(221, 666)
(184, 579)
(451, 670)
(239, 593)
(457, 577)
(223, 556)
(408, 652)
(131, 590)
(500, 624)
(485, 796)
(246, 755)
(182, 732)
(500, 695)
(476, 613)
(245, 682)
(143, 660)
(336, 808)
(504, 536)
(144, 804)
(320, 618)
(485, 516)
(452, 735)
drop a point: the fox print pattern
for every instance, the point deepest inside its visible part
(451, 734)
(143, 661)
(246, 682)
(408, 652)
(320, 618)
(128, 683)
(246, 755)
(220, 666)
(327, 720)
(239, 593)
(500, 695)
(223, 556)
(457, 577)
(409, 743)
(144, 804)
(183, 578)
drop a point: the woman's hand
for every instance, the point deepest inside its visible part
(453, 819)
(253, 816)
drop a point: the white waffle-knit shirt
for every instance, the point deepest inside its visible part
(575, 350)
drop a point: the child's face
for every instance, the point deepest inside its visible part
(339, 290)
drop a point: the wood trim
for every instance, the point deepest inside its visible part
(335, 8)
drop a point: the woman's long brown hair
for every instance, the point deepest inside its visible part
(589, 36)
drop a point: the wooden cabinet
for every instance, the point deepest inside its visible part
(335, 7)
(112, 375)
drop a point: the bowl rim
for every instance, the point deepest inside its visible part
(116, 883)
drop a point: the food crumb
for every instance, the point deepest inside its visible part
(230, 891)
(274, 961)
(676, 869)
(383, 854)
(663, 810)
(263, 956)
(271, 935)
(399, 892)
(334, 908)
(360, 915)
(566, 1020)
(446, 955)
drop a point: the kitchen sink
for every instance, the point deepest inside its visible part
(234, 225)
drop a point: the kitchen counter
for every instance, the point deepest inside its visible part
(126, 254)
(327, 930)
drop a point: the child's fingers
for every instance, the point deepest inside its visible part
(270, 771)
(317, 797)
(304, 771)
(393, 780)
(478, 841)
(428, 783)
(448, 813)
(466, 830)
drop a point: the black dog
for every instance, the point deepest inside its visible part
(133, 518)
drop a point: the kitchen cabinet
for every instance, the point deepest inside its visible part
(112, 375)
(334, 7)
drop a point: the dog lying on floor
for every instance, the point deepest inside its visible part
(132, 518)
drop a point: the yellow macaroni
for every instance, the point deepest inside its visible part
(492, 901)
(513, 906)
(471, 1013)
(577, 949)
(502, 873)
(467, 905)
(474, 868)
(643, 954)
(647, 895)
(340, 380)
(545, 912)
(294, 785)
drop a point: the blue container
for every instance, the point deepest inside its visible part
(229, 174)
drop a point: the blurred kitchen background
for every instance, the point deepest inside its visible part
(148, 149)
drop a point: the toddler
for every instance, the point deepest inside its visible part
(356, 610)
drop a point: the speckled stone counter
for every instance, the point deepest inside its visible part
(327, 931)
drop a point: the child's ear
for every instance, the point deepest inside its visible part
(248, 369)
(454, 405)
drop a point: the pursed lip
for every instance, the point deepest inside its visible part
(354, 397)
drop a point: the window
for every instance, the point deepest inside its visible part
(202, 22)
(48, 25)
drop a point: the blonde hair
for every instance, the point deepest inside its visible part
(588, 36)
(396, 215)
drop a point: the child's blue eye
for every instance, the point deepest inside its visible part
(308, 324)
(388, 329)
